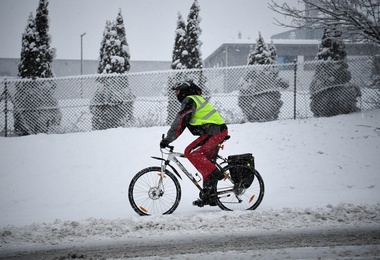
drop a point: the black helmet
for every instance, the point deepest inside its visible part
(186, 88)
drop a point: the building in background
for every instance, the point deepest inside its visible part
(298, 44)
(293, 45)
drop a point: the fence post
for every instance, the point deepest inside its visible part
(5, 95)
(295, 90)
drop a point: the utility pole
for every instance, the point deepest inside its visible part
(81, 53)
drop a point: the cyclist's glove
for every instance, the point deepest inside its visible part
(164, 143)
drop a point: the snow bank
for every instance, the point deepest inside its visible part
(72, 188)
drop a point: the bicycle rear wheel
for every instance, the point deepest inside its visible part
(149, 194)
(232, 196)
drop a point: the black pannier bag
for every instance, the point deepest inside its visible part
(242, 175)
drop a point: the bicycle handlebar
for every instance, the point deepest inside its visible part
(170, 147)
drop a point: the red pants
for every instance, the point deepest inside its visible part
(203, 150)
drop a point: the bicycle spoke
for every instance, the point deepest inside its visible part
(235, 197)
(151, 193)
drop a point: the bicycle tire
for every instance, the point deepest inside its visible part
(240, 199)
(142, 196)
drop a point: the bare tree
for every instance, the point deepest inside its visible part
(357, 19)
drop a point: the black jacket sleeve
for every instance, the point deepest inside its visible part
(182, 119)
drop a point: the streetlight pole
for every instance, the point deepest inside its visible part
(81, 53)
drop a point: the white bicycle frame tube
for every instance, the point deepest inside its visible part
(172, 156)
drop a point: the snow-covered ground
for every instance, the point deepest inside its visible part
(71, 189)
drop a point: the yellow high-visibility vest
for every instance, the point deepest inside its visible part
(205, 113)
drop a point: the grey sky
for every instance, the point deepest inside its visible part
(149, 24)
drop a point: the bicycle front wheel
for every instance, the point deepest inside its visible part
(150, 193)
(232, 196)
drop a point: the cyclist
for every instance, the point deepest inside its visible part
(202, 120)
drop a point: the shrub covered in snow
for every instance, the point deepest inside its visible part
(35, 104)
(113, 101)
(260, 99)
(112, 104)
(331, 91)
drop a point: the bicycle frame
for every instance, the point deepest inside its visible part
(172, 157)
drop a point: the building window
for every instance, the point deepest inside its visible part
(286, 59)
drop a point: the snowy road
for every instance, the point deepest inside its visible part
(333, 242)
(69, 199)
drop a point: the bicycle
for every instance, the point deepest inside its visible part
(156, 190)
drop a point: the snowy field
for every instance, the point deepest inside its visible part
(63, 191)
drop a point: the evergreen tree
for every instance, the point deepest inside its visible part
(331, 91)
(193, 48)
(273, 53)
(112, 104)
(124, 49)
(375, 72)
(259, 97)
(193, 43)
(178, 63)
(375, 77)
(114, 53)
(103, 45)
(179, 51)
(261, 54)
(46, 53)
(27, 68)
(35, 104)
(186, 55)
(36, 54)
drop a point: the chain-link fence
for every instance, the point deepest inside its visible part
(241, 94)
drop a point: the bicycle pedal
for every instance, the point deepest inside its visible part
(198, 203)
(213, 204)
